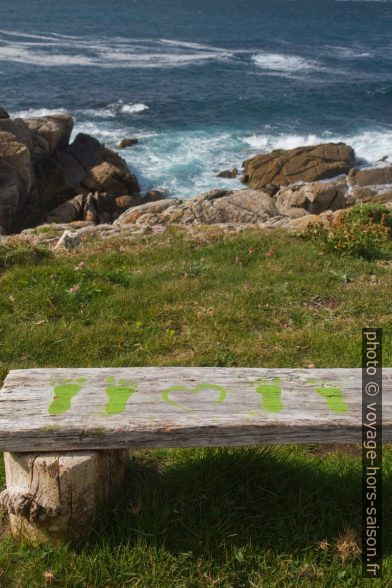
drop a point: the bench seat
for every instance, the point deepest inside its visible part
(114, 408)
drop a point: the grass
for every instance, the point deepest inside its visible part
(200, 518)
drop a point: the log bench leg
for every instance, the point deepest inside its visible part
(54, 496)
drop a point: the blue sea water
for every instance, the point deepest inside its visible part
(203, 83)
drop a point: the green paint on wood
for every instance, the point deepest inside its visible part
(334, 398)
(64, 391)
(312, 381)
(270, 395)
(118, 392)
(166, 393)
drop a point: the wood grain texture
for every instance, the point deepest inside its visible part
(181, 407)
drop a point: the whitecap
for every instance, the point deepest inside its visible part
(134, 108)
(283, 63)
(112, 110)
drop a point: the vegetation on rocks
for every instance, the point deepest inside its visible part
(364, 230)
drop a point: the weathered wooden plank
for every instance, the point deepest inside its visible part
(110, 408)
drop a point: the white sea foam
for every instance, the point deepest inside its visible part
(134, 108)
(188, 45)
(36, 112)
(103, 132)
(284, 63)
(97, 112)
(113, 110)
(52, 50)
(370, 146)
(348, 52)
(19, 54)
(185, 163)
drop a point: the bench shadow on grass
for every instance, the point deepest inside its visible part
(207, 501)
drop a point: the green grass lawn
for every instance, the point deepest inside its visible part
(218, 517)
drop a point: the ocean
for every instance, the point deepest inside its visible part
(203, 84)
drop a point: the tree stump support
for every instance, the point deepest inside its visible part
(54, 496)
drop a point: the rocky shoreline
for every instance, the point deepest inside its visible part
(51, 185)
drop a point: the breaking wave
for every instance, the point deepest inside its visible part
(371, 146)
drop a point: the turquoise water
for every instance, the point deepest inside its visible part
(203, 84)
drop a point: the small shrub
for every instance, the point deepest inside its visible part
(362, 231)
(367, 214)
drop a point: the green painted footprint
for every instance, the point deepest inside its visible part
(119, 392)
(334, 398)
(270, 393)
(63, 392)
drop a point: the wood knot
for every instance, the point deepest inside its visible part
(23, 504)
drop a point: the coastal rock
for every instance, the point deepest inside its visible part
(4, 113)
(127, 142)
(370, 177)
(125, 202)
(308, 164)
(16, 171)
(94, 207)
(11, 188)
(312, 198)
(147, 211)
(239, 206)
(16, 130)
(106, 177)
(84, 166)
(67, 212)
(68, 240)
(227, 173)
(154, 196)
(50, 133)
(327, 218)
(214, 207)
(39, 170)
(367, 195)
(17, 156)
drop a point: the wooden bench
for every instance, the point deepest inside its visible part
(67, 432)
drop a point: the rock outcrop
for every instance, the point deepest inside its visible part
(228, 173)
(16, 171)
(368, 195)
(3, 113)
(40, 170)
(308, 164)
(214, 207)
(312, 198)
(82, 167)
(49, 133)
(376, 176)
(127, 142)
(95, 207)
